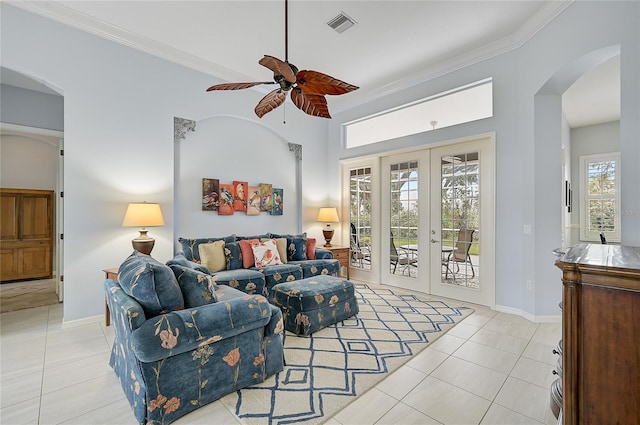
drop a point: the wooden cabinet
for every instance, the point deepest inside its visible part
(26, 234)
(340, 253)
(600, 334)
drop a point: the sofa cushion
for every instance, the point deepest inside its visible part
(233, 253)
(247, 281)
(311, 248)
(212, 256)
(190, 246)
(181, 260)
(197, 288)
(247, 252)
(266, 253)
(297, 249)
(151, 283)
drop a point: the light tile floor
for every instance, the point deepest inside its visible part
(492, 368)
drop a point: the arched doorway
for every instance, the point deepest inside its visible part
(31, 140)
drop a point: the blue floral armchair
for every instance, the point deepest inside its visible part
(176, 361)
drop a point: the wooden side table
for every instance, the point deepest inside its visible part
(340, 253)
(112, 274)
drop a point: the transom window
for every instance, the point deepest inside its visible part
(463, 104)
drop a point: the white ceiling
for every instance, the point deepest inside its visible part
(394, 44)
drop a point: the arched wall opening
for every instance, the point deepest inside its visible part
(550, 133)
(31, 141)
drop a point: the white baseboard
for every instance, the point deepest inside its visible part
(68, 324)
(530, 317)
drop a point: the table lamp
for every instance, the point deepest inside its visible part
(143, 215)
(328, 215)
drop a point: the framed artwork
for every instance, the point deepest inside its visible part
(210, 188)
(253, 200)
(240, 195)
(276, 207)
(266, 198)
(225, 205)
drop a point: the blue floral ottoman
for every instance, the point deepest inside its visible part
(311, 304)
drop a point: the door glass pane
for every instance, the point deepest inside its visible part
(404, 214)
(460, 219)
(360, 217)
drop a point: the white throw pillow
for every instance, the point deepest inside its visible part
(266, 253)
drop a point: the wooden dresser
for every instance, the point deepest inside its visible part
(601, 334)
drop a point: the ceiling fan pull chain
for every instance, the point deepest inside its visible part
(284, 113)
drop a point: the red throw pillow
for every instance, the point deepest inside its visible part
(248, 260)
(311, 248)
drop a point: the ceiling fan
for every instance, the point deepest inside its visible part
(308, 88)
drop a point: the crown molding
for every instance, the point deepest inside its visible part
(86, 23)
(71, 17)
(544, 16)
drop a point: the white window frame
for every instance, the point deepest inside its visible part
(594, 235)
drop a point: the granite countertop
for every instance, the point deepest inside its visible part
(606, 256)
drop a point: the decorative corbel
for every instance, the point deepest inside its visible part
(180, 128)
(297, 150)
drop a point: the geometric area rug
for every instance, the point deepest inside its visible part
(329, 369)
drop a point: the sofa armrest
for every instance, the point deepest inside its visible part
(185, 330)
(323, 254)
(125, 311)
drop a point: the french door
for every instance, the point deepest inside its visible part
(404, 220)
(462, 226)
(424, 220)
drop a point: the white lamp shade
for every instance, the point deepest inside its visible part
(143, 214)
(328, 215)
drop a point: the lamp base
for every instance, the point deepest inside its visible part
(328, 235)
(143, 243)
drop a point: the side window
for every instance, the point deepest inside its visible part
(600, 197)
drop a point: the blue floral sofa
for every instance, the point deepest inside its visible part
(300, 259)
(182, 341)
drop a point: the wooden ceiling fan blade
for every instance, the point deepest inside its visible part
(237, 86)
(278, 67)
(318, 83)
(270, 102)
(310, 103)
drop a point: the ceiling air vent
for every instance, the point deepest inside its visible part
(341, 23)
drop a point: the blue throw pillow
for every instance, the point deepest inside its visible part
(191, 247)
(290, 236)
(197, 288)
(296, 249)
(181, 260)
(234, 255)
(258, 237)
(151, 283)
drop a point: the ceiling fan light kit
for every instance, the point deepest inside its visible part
(308, 88)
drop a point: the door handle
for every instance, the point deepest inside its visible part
(434, 241)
